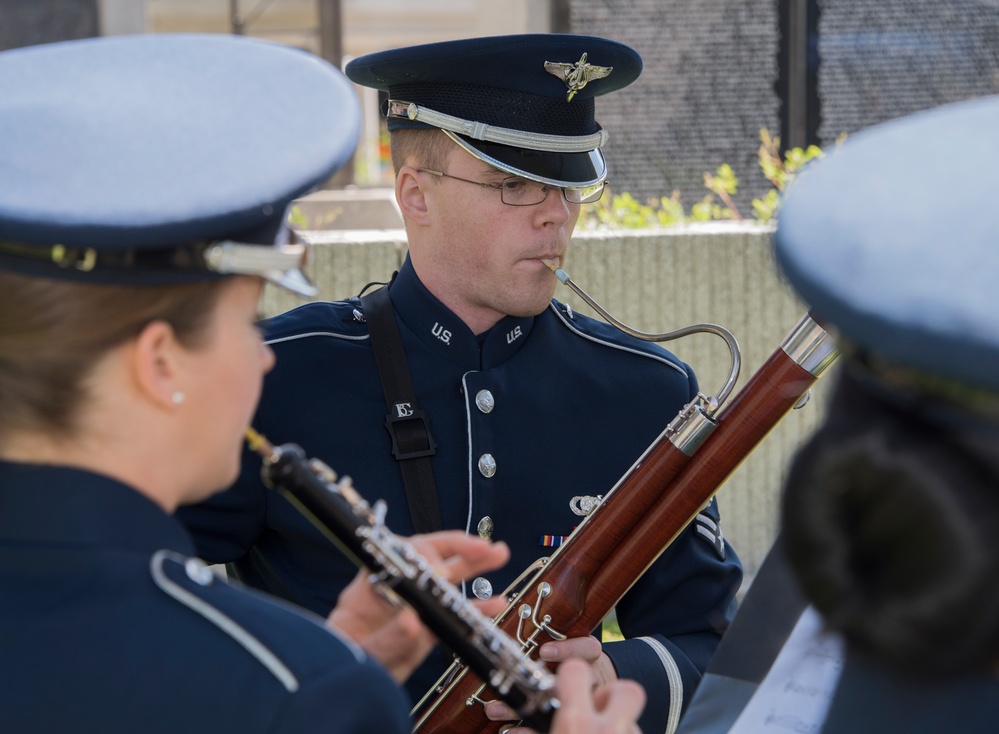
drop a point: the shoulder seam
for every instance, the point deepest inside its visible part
(225, 623)
(612, 345)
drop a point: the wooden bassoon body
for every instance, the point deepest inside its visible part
(569, 593)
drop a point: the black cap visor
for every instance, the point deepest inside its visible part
(565, 170)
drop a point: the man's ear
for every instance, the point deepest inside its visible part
(410, 195)
(155, 364)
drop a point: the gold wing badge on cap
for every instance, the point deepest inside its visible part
(578, 75)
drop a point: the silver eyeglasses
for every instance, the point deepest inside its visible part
(516, 191)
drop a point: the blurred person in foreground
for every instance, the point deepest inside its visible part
(142, 206)
(890, 516)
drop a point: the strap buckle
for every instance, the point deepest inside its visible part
(410, 432)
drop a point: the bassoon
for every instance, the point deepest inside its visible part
(569, 593)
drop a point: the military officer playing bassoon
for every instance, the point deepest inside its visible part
(520, 411)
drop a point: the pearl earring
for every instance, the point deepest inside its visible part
(177, 398)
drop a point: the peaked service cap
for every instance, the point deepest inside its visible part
(522, 103)
(893, 239)
(164, 158)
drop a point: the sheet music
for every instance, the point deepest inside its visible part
(795, 695)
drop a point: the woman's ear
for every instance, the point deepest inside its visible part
(155, 365)
(410, 195)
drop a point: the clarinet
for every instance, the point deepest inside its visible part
(401, 574)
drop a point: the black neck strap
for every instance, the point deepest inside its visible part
(409, 427)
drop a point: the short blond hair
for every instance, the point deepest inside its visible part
(420, 148)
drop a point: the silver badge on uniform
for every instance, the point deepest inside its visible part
(584, 505)
(578, 75)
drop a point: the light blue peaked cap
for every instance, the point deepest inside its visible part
(894, 240)
(164, 158)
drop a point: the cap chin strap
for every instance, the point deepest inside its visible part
(280, 264)
(494, 134)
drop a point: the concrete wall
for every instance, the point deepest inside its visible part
(655, 281)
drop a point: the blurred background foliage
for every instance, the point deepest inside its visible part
(623, 211)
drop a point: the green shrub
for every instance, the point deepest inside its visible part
(623, 211)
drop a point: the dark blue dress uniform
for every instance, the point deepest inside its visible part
(108, 624)
(892, 241)
(527, 416)
(158, 160)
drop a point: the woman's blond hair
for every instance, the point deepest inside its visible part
(53, 332)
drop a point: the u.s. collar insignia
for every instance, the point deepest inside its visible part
(578, 75)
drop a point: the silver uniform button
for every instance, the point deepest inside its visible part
(198, 572)
(487, 465)
(482, 588)
(485, 527)
(484, 401)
